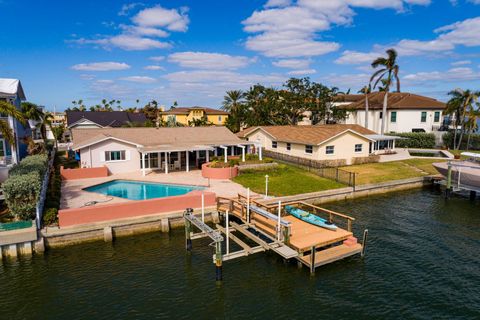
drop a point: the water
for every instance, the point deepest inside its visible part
(422, 262)
(139, 190)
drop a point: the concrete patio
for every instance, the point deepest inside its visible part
(73, 195)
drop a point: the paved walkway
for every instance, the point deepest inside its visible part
(403, 154)
(73, 195)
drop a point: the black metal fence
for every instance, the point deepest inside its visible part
(326, 169)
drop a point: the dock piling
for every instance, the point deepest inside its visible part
(188, 230)
(279, 220)
(218, 262)
(473, 195)
(312, 260)
(227, 232)
(364, 242)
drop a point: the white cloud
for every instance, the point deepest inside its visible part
(100, 66)
(302, 72)
(451, 75)
(139, 79)
(292, 63)
(277, 3)
(208, 60)
(171, 19)
(463, 33)
(461, 63)
(293, 31)
(355, 57)
(153, 67)
(126, 8)
(148, 25)
(109, 89)
(157, 58)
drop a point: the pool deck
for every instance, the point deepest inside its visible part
(73, 195)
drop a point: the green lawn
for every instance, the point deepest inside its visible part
(285, 180)
(459, 152)
(396, 170)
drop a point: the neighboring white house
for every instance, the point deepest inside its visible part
(163, 149)
(406, 112)
(320, 142)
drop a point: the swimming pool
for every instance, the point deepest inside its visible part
(140, 190)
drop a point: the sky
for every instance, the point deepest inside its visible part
(192, 51)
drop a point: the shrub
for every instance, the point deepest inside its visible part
(474, 141)
(415, 140)
(21, 194)
(50, 216)
(35, 163)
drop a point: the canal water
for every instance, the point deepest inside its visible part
(423, 262)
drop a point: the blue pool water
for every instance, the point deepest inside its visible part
(139, 190)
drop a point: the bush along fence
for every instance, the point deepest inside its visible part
(415, 140)
(467, 144)
(26, 186)
(324, 168)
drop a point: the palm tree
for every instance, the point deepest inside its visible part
(472, 124)
(389, 72)
(58, 132)
(366, 91)
(33, 113)
(461, 104)
(232, 103)
(10, 110)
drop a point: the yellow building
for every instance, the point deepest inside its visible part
(186, 116)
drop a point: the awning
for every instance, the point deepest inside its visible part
(382, 137)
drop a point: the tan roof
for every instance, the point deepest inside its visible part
(185, 110)
(348, 97)
(307, 134)
(397, 100)
(162, 138)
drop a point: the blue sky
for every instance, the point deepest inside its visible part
(192, 51)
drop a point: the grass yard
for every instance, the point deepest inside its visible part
(396, 170)
(285, 180)
(459, 152)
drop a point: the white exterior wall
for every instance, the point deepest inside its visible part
(344, 146)
(407, 120)
(92, 157)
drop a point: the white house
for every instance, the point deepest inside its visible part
(406, 112)
(155, 149)
(329, 142)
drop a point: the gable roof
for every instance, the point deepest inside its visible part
(155, 138)
(11, 88)
(105, 118)
(313, 135)
(186, 110)
(397, 100)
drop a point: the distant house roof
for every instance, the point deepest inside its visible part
(348, 97)
(158, 139)
(186, 110)
(313, 135)
(397, 100)
(105, 119)
(11, 88)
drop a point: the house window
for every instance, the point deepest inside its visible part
(308, 149)
(330, 150)
(436, 116)
(358, 147)
(289, 146)
(424, 117)
(219, 118)
(393, 116)
(381, 114)
(114, 155)
(274, 144)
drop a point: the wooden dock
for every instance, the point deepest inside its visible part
(271, 228)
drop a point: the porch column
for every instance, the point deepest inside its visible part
(393, 145)
(159, 157)
(260, 152)
(186, 160)
(197, 155)
(143, 164)
(207, 156)
(232, 150)
(225, 153)
(166, 163)
(215, 152)
(243, 153)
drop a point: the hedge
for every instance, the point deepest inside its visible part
(415, 140)
(474, 141)
(23, 186)
(52, 203)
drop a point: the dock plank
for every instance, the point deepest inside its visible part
(331, 254)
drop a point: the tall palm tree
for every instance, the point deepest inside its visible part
(366, 91)
(233, 102)
(389, 72)
(7, 109)
(461, 104)
(472, 124)
(32, 113)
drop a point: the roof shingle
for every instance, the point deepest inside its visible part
(106, 118)
(396, 100)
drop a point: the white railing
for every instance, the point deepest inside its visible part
(43, 192)
(6, 160)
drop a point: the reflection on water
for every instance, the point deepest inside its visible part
(422, 262)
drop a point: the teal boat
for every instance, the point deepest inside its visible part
(310, 218)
